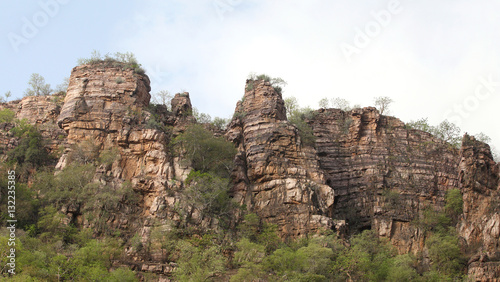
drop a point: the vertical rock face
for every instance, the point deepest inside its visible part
(101, 99)
(365, 170)
(105, 105)
(275, 176)
(41, 111)
(480, 222)
(383, 175)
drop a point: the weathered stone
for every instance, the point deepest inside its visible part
(364, 171)
(275, 176)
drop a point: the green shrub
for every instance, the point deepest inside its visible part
(299, 118)
(208, 193)
(445, 131)
(26, 201)
(205, 152)
(7, 115)
(248, 252)
(109, 156)
(445, 253)
(309, 263)
(199, 263)
(392, 198)
(368, 259)
(454, 203)
(402, 269)
(31, 149)
(276, 82)
(260, 232)
(124, 60)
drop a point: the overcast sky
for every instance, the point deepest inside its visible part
(435, 59)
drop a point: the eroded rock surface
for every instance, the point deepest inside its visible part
(383, 174)
(277, 177)
(480, 222)
(364, 170)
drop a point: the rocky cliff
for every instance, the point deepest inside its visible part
(363, 170)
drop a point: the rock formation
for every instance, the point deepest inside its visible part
(480, 223)
(364, 170)
(277, 177)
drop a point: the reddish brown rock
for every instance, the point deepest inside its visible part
(275, 176)
(480, 222)
(383, 174)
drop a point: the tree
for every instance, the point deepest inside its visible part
(205, 152)
(323, 103)
(482, 137)
(341, 103)
(7, 115)
(31, 149)
(163, 97)
(276, 82)
(291, 105)
(207, 193)
(7, 95)
(63, 87)
(421, 124)
(38, 87)
(448, 132)
(382, 103)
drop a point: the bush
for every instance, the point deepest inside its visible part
(26, 202)
(124, 60)
(454, 203)
(309, 263)
(369, 258)
(445, 253)
(276, 82)
(109, 156)
(85, 152)
(248, 252)
(7, 115)
(70, 186)
(445, 131)
(31, 149)
(206, 153)
(199, 263)
(299, 118)
(208, 194)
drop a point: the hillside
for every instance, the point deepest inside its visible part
(99, 169)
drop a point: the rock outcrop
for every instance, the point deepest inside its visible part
(480, 222)
(363, 171)
(277, 177)
(383, 174)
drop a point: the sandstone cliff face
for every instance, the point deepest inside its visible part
(378, 174)
(107, 106)
(41, 111)
(275, 176)
(480, 222)
(364, 171)
(383, 175)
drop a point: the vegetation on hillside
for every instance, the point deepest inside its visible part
(53, 246)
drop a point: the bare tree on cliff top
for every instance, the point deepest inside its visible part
(382, 104)
(38, 87)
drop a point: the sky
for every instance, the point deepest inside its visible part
(435, 59)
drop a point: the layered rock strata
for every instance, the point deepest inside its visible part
(480, 222)
(364, 170)
(383, 174)
(275, 176)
